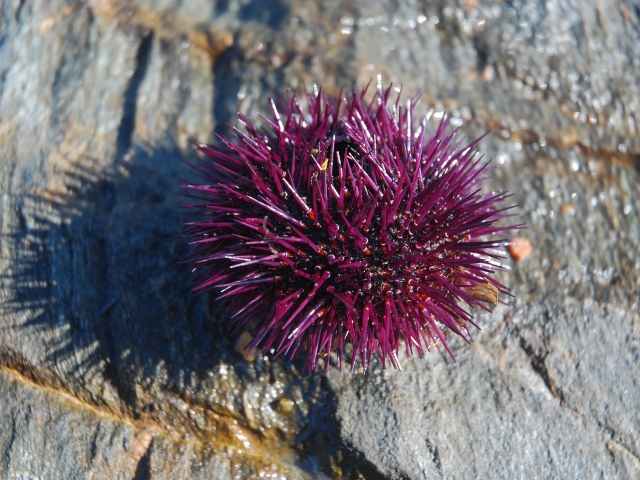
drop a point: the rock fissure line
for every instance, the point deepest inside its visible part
(154, 428)
(127, 122)
(143, 468)
(621, 446)
(18, 9)
(26, 379)
(12, 440)
(539, 367)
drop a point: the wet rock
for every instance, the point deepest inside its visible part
(110, 367)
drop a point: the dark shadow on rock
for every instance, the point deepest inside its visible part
(269, 12)
(103, 295)
(143, 470)
(97, 268)
(225, 105)
(323, 449)
(39, 289)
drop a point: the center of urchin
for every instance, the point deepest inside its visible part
(350, 228)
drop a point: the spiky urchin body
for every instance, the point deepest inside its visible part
(344, 223)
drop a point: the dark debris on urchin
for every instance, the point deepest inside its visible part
(345, 223)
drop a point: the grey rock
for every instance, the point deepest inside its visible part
(40, 432)
(111, 368)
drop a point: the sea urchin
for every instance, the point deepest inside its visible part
(345, 223)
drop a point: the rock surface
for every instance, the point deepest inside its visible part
(110, 368)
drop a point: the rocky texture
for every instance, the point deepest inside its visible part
(109, 367)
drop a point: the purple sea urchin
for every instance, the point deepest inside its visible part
(342, 224)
